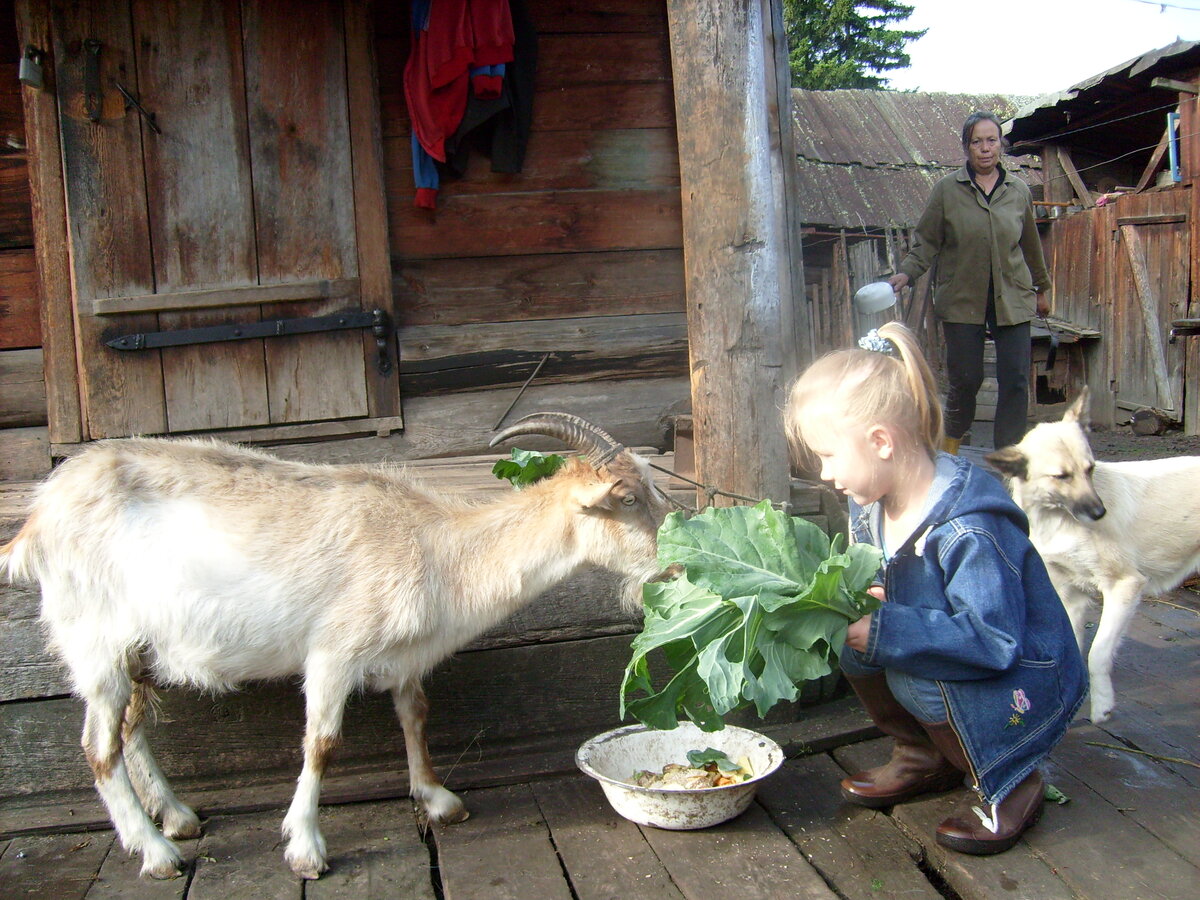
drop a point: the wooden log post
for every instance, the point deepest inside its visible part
(747, 335)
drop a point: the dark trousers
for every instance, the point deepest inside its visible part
(964, 371)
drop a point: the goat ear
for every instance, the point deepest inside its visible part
(589, 496)
(1010, 461)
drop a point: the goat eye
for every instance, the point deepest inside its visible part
(1063, 476)
(629, 499)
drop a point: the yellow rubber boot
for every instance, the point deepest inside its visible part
(950, 445)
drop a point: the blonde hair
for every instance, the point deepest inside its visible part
(865, 387)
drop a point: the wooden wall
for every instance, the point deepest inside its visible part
(577, 253)
(19, 325)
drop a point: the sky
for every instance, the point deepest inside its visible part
(1033, 47)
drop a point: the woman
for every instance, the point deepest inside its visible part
(991, 278)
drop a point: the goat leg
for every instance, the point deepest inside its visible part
(439, 804)
(179, 822)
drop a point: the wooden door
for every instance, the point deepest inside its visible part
(1152, 279)
(254, 194)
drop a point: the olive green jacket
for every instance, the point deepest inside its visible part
(970, 238)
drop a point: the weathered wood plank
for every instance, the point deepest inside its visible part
(440, 358)
(503, 852)
(20, 305)
(50, 229)
(605, 854)
(106, 195)
(501, 289)
(248, 295)
(540, 222)
(370, 203)
(556, 161)
(375, 852)
(860, 852)
(241, 858)
(22, 388)
(302, 174)
(53, 867)
(24, 452)
(747, 857)
(1143, 789)
(120, 875)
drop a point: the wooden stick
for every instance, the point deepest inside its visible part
(1174, 759)
(1176, 605)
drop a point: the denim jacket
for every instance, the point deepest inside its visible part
(969, 605)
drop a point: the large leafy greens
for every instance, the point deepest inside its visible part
(763, 606)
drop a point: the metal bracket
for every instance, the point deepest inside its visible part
(377, 320)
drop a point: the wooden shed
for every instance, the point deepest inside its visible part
(221, 212)
(1121, 159)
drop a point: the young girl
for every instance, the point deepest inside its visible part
(970, 664)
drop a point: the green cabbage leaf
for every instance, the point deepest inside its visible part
(763, 606)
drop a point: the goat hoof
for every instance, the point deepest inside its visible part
(308, 869)
(182, 828)
(163, 870)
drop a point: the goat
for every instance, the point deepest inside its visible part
(196, 562)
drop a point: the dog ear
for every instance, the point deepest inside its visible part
(1010, 461)
(1078, 412)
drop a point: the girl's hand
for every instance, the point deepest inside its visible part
(876, 591)
(858, 632)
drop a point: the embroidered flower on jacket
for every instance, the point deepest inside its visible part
(1020, 705)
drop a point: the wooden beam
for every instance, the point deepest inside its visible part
(736, 246)
(1149, 302)
(1170, 84)
(1081, 191)
(1155, 161)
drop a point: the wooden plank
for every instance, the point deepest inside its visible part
(27, 670)
(1142, 788)
(370, 203)
(302, 174)
(24, 453)
(109, 229)
(20, 304)
(246, 295)
(543, 286)
(1081, 191)
(503, 852)
(746, 857)
(975, 877)
(22, 388)
(440, 358)
(1152, 328)
(557, 160)
(241, 858)
(540, 222)
(375, 851)
(120, 875)
(1156, 159)
(605, 854)
(858, 851)
(53, 867)
(50, 230)
(458, 424)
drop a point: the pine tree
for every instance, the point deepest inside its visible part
(840, 43)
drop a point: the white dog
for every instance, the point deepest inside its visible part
(1118, 531)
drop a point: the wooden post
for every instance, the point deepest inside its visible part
(1056, 188)
(64, 412)
(737, 265)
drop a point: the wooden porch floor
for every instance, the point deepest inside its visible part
(1131, 828)
(539, 829)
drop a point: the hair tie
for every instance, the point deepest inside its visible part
(877, 343)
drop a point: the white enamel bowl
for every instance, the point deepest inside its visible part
(874, 297)
(612, 759)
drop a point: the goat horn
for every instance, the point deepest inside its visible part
(594, 443)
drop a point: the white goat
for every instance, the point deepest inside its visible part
(171, 562)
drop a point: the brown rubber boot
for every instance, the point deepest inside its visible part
(980, 830)
(916, 767)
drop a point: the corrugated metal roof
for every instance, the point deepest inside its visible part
(1083, 114)
(868, 159)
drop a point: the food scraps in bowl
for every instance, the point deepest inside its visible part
(706, 768)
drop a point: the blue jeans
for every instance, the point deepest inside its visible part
(920, 696)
